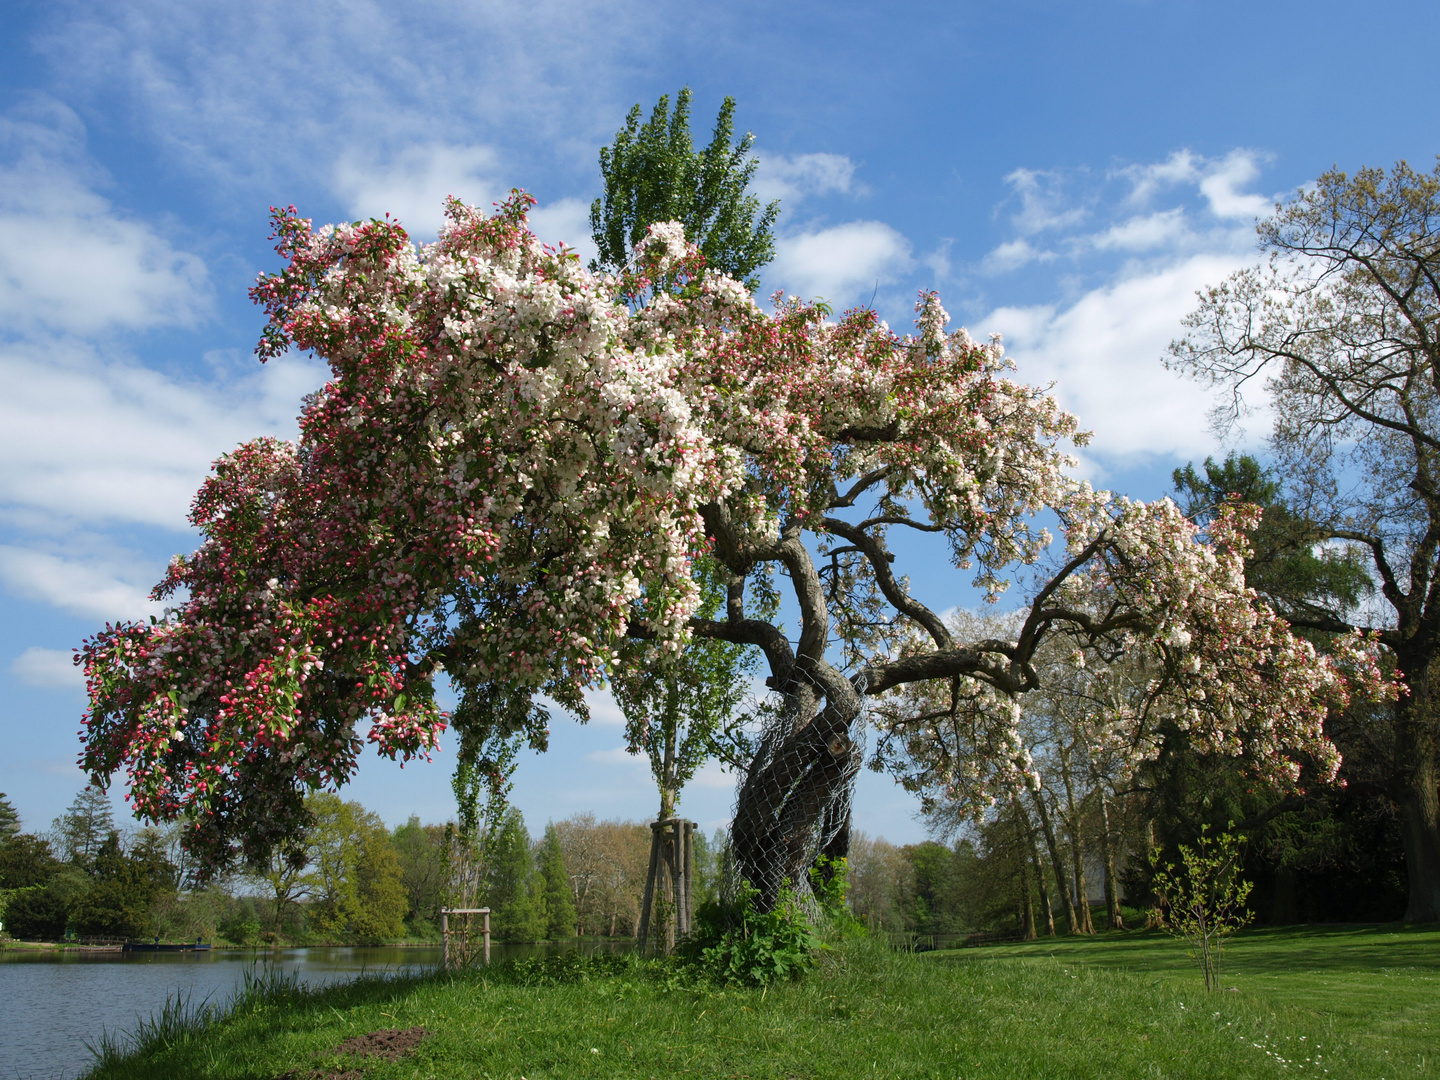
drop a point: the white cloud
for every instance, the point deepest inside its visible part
(1219, 180)
(1012, 255)
(793, 179)
(713, 776)
(1157, 230)
(1180, 167)
(69, 262)
(92, 588)
(83, 439)
(1103, 352)
(355, 77)
(48, 669)
(1223, 181)
(604, 709)
(617, 756)
(839, 262)
(1042, 202)
(412, 184)
(566, 221)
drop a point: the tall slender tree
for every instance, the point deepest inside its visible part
(515, 898)
(555, 884)
(653, 173)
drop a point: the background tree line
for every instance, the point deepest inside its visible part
(351, 879)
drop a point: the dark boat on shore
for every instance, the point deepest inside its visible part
(184, 946)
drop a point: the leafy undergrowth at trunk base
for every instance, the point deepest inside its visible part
(862, 1011)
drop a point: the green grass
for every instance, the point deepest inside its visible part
(1376, 988)
(1342, 1003)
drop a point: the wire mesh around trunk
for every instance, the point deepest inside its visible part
(793, 805)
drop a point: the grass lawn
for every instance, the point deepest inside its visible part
(1337, 1002)
(1377, 989)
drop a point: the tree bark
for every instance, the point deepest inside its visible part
(1027, 901)
(797, 786)
(1081, 899)
(1112, 894)
(1045, 905)
(1057, 862)
(1032, 853)
(1417, 748)
(1082, 888)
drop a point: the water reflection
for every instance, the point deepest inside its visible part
(54, 1001)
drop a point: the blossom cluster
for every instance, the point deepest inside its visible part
(1154, 639)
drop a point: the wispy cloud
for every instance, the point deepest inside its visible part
(412, 184)
(565, 221)
(1181, 167)
(237, 93)
(1144, 232)
(48, 669)
(1220, 180)
(1102, 347)
(1012, 255)
(69, 261)
(1103, 353)
(792, 179)
(97, 588)
(1223, 182)
(89, 439)
(1044, 202)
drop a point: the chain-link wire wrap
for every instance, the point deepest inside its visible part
(793, 803)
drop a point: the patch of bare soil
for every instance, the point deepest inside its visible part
(389, 1045)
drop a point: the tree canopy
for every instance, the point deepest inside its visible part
(509, 477)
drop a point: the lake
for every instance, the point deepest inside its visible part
(53, 1002)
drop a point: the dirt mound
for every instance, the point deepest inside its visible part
(389, 1045)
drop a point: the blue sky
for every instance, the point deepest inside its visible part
(1066, 174)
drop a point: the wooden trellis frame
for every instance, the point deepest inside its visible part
(445, 914)
(672, 845)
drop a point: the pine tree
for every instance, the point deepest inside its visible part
(9, 819)
(82, 829)
(559, 902)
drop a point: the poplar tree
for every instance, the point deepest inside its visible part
(653, 173)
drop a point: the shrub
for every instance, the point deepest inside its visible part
(739, 943)
(1203, 900)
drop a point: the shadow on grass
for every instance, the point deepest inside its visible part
(1329, 948)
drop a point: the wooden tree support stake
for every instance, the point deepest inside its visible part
(672, 857)
(445, 914)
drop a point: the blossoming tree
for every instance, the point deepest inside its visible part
(507, 478)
